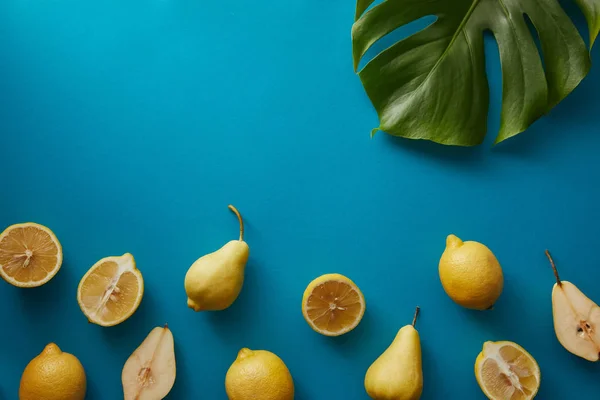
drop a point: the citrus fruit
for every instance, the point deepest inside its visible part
(333, 305)
(470, 274)
(30, 255)
(111, 290)
(258, 375)
(505, 371)
(53, 375)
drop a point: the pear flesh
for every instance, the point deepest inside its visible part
(398, 373)
(576, 319)
(215, 280)
(149, 373)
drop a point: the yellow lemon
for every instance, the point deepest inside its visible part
(53, 375)
(258, 375)
(333, 305)
(30, 255)
(505, 371)
(111, 291)
(470, 274)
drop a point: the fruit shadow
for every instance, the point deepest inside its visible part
(571, 362)
(431, 368)
(93, 392)
(128, 335)
(38, 301)
(491, 324)
(300, 391)
(355, 340)
(242, 311)
(182, 380)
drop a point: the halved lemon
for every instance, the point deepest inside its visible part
(111, 290)
(333, 305)
(30, 255)
(505, 371)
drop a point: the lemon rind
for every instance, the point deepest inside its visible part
(59, 257)
(126, 263)
(332, 278)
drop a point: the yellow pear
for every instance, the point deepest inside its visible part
(470, 274)
(149, 373)
(398, 374)
(576, 318)
(215, 280)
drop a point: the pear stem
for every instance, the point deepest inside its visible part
(558, 281)
(417, 310)
(239, 216)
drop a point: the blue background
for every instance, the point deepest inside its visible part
(128, 126)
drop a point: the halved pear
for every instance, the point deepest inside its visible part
(576, 318)
(149, 373)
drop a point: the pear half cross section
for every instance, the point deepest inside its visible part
(149, 373)
(576, 318)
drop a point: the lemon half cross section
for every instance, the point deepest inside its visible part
(333, 305)
(505, 371)
(30, 255)
(111, 290)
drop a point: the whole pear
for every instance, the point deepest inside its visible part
(398, 373)
(576, 318)
(215, 280)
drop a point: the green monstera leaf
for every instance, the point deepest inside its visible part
(432, 85)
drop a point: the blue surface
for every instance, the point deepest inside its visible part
(128, 126)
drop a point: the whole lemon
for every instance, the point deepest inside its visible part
(53, 375)
(470, 274)
(258, 375)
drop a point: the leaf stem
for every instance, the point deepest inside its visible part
(239, 216)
